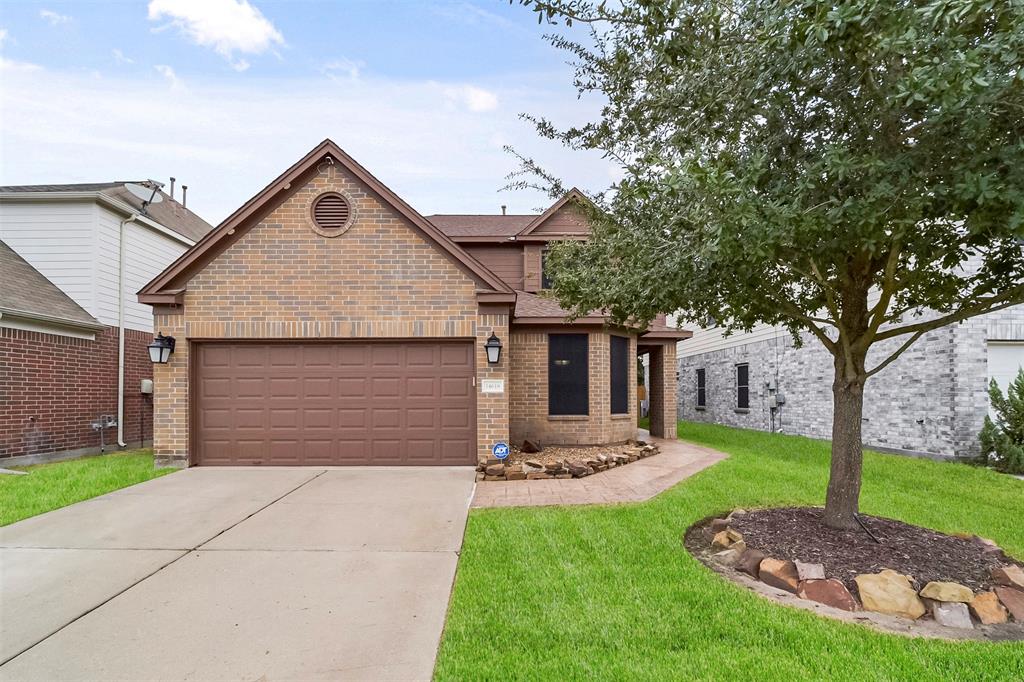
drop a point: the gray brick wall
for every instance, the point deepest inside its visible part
(932, 400)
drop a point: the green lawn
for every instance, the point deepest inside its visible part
(608, 592)
(49, 486)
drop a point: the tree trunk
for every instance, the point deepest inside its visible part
(843, 498)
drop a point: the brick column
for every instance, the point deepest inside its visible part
(492, 408)
(663, 391)
(170, 397)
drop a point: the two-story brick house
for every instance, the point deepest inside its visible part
(327, 322)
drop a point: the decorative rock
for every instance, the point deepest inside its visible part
(1009, 576)
(750, 562)
(779, 573)
(830, 592)
(516, 476)
(737, 512)
(553, 466)
(579, 470)
(531, 447)
(494, 460)
(987, 609)
(537, 476)
(947, 592)
(1013, 600)
(534, 463)
(734, 535)
(809, 571)
(488, 477)
(731, 556)
(641, 443)
(722, 540)
(632, 458)
(481, 464)
(889, 592)
(602, 459)
(601, 467)
(495, 470)
(480, 476)
(952, 614)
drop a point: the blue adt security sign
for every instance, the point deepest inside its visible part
(500, 450)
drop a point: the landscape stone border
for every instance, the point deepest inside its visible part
(887, 599)
(603, 459)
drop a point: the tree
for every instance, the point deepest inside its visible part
(1002, 440)
(850, 170)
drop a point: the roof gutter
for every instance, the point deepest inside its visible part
(99, 197)
(51, 319)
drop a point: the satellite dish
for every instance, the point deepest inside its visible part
(148, 195)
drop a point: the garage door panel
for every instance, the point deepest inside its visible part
(285, 403)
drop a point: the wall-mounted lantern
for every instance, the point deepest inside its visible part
(493, 348)
(161, 348)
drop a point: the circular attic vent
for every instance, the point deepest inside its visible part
(332, 214)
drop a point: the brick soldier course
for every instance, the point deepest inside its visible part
(267, 275)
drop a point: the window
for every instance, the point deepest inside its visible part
(568, 375)
(743, 386)
(545, 281)
(619, 363)
(702, 388)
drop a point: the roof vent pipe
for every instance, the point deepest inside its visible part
(503, 207)
(172, 189)
(184, 196)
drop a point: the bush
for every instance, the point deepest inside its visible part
(1002, 440)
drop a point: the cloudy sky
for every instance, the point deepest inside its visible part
(226, 94)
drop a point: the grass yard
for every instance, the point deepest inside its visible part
(609, 593)
(50, 486)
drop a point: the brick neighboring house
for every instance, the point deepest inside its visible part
(931, 401)
(60, 265)
(327, 322)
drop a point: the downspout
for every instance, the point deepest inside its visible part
(120, 330)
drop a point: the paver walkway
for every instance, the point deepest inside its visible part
(634, 482)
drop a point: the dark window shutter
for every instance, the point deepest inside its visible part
(568, 374)
(619, 362)
(743, 386)
(702, 388)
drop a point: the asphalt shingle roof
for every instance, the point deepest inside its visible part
(26, 290)
(459, 225)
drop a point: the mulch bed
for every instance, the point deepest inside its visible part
(798, 533)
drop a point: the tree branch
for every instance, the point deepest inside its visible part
(898, 352)
(990, 304)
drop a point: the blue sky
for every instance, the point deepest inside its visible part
(225, 94)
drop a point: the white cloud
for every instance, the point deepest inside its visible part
(3, 36)
(343, 68)
(226, 138)
(172, 78)
(53, 17)
(226, 26)
(120, 58)
(473, 98)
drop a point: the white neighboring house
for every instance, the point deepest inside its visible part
(96, 244)
(931, 401)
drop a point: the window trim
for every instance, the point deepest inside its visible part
(702, 388)
(611, 376)
(571, 416)
(745, 387)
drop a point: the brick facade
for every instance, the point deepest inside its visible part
(53, 387)
(280, 279)
(663, 391)
(528, 409)
(931, 400)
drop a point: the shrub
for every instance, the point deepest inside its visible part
(1002, 439)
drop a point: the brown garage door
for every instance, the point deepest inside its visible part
(334, 403)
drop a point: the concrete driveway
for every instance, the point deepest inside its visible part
(237, 573)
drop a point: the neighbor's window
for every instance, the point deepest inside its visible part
(743, 385)
(568, 375)
(702, 388)
(545, 280)
(619, 363)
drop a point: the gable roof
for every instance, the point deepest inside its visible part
(28, 294)
(572, 195)
(167, 286)
(169, 212)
